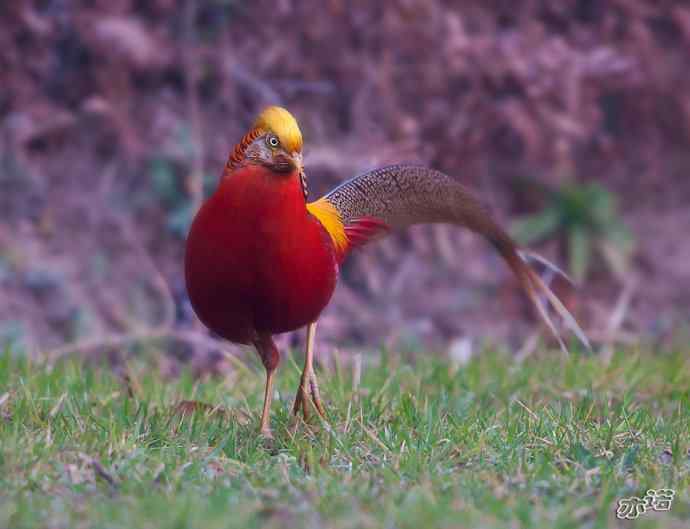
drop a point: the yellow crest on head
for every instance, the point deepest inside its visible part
(281, 123)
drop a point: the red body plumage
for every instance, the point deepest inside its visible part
(256, 261)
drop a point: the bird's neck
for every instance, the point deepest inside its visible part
(269, 204)
(261, 194)
(260, 187)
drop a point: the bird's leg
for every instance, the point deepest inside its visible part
(308, 387)
(265, 425)
(270, 357)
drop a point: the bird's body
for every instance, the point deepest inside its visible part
(257, 261)
(260, 260)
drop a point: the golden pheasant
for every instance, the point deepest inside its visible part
(261, 260)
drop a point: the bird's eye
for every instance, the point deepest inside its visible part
(272, 141)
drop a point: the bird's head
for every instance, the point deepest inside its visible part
(274, 141)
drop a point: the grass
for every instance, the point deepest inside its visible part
(494, 443)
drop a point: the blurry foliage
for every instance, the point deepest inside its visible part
(176, 203)
(586, 218)
(171, 175)
(214, 15)
(143, 100)
(12, 335)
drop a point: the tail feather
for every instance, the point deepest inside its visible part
(402, 195)
(534, 286)
(540, 287)
(531, 257)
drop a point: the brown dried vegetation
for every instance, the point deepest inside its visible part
(114, 115)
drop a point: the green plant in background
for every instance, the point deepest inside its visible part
(12, 336)
(166, 185)
(170, 171)
(585, 218)
(168, 188)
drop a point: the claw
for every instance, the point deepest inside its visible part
(315, 396)
(307, 392)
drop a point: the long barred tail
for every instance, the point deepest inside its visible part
(398, 196)
(536, 289)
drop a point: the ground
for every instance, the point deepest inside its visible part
(547, 442)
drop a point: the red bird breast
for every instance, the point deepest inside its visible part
(256, 261)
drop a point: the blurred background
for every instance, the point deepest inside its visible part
(571, 119)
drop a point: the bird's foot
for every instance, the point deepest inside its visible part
(307, 392)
